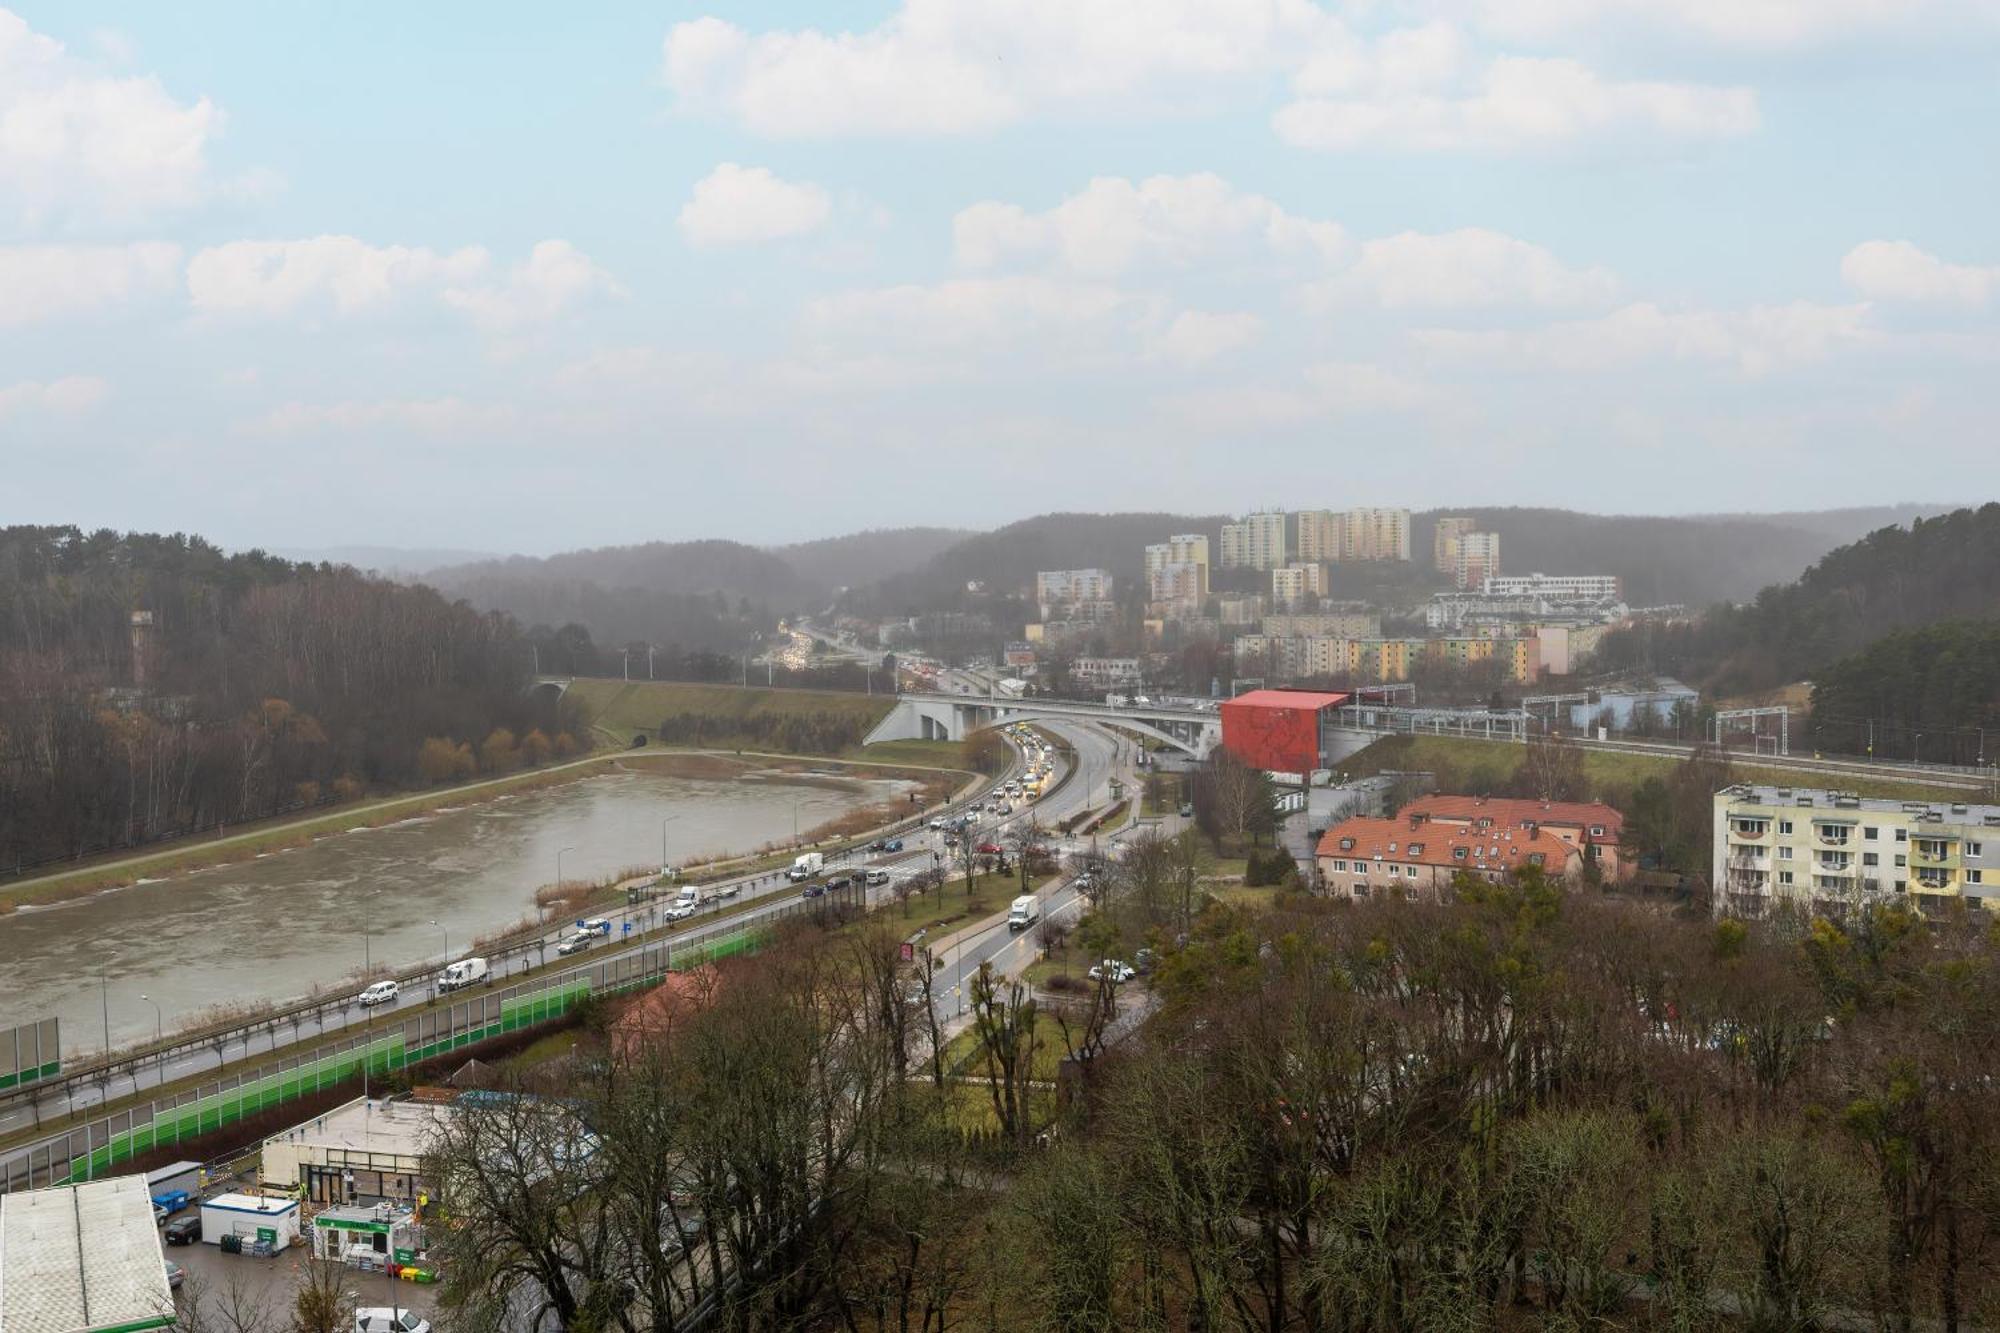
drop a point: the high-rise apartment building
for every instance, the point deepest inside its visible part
(1444, 543)
(1375, 534)
(1257, 542)
(1828, 850)
(1180, 581)
(1476, 559)
(1063, 587)
(1187, 549)
(1318, 538)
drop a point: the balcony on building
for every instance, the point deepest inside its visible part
(1836, 862)
(1741, 826)
(1834, 832)
(1749, 858)
(1932, 848)
(1931, 877)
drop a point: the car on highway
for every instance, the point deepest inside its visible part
(183, 1230)
(597, 925)
(679, 911)
(380, 992)
(938, 822)
(875, 878)
(886, 845)
(813, 891)
(840, 882)
(1114, 970)
(383, 1319)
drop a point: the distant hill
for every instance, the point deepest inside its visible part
(1006, 559)
(1695, 559)
(388, 561)
(867, 557)
(1893, 579)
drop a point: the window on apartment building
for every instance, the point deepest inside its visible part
(1784, 853)
(1869, 858)
(1868, 832)
(1901, 885)
(1972, 849)
(1975, 877)
(1784, 877)
(1901, 859)
(1784, 826)
(1872, 885)
(1360, 888)
(1902, 835)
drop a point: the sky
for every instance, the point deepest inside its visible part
(528, 277)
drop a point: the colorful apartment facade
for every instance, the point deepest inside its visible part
(1835, 851)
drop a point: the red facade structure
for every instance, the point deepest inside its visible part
(1278, 730)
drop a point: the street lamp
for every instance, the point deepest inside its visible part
(159, 1019)
(663, 841)
(447, 938)
(559, 857)
(1917, 750)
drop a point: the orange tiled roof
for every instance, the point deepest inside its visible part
(1508, 813)
(1394, 841)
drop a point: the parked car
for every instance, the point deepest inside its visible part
(1187, 810)
(875, 878)
(184, 1230)
(159, 1216)
(988, 848)
(381, 992)
(383, 1319)
(1118, 972)
(175, 1275)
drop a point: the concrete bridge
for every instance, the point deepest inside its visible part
(953, 717)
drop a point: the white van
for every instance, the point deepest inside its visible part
(465, 972)
(597, 925)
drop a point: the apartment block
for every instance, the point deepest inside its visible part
(1256, 542)
(1444, 542)
(1186, 549)
(1180, 581)
(1064, 587)
(1476, 558)
(1326, 624)
(1555, 587)
(1292, 584)
(1375, 534)
(1834, 851)
(1237, 612)
(1318, 535)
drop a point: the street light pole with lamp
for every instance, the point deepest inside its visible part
(159, 1019)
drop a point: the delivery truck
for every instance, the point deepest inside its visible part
(806, 867)
(1025, 912)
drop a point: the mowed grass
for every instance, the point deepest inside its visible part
(619, 710)
(1496, 762)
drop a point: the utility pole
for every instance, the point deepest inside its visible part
(649, 663)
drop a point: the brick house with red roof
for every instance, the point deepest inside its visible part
(1362, 858)
(1591, 827)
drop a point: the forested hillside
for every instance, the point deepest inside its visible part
(1930, 693)
(1692, 559)
(261, 686)
(864, 557)
(1894, 579)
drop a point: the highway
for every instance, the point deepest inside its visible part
(760, 898)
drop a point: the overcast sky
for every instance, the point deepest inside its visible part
(528, 277)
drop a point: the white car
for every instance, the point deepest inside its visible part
(876, 877)
(382, 1319)
(679, 913)
(381, 992)
(1118, 972)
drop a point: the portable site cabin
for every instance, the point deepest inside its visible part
(82, 1259)
(368, 1236)
(253, 1217)
(187, 1176)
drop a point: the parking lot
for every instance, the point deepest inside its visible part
(268, 1285)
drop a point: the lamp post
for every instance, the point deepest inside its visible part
(1917, 751)
(447, 938)
(159, 1019)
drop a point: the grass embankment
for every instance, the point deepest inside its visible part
(618, 711)
(1469, 765)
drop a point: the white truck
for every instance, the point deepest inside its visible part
(685, 905)
(465, 972)
(1025, 912)
(806, 867)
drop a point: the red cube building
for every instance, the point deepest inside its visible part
(1279, 730)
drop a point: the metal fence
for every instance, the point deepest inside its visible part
(94, 1148)
(30, 1053)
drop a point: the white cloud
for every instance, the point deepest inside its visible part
(1417, 96)
(39, 282)
(79, 144)
(1196, 337)
(555, 277)
(278, 277)
(1900, 271)
(432, 416)
(958, 66)
(1468, 268)
(68, 396)
(735, 204)
(1324, 391)
(1756, 341)
(1114, 224)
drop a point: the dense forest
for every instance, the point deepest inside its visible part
(1931, 693)
(1821, 626)
(259, 686)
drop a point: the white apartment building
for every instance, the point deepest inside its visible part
(1190, 548)
(1319, 536)
(1555, 587)
(1178, 581)
(1476, 558)
(1827, 850)
(1106, 670)
(1325, 624)
(1062, 587)
(1257, 542)
(1291, 584)
(1444, 542)
(1375, 534)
